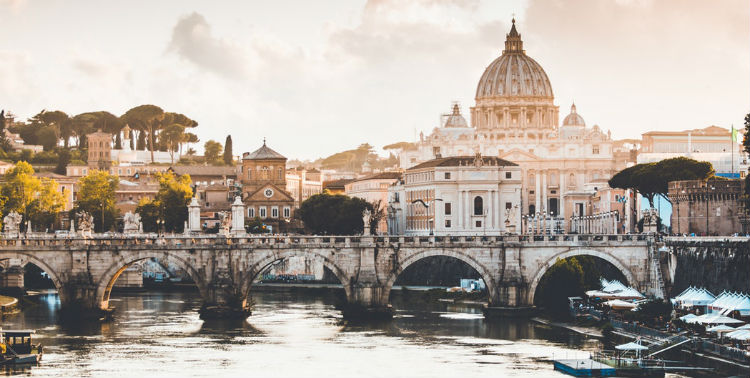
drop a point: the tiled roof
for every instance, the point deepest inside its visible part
(380, 176)
(262, 153)
(456, 161)
(204, 170)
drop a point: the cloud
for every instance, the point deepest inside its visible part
(193, 41)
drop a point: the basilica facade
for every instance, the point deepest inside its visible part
(515, 119)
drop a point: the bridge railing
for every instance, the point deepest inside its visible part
(311, 240)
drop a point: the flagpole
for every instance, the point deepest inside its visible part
(731, 137)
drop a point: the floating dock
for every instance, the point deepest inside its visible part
(584, 368)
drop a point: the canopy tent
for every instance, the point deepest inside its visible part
(728, 302)
(715, 319)
(617, 304)
(694, 297)
(614, 290)
(721, 329)
(631, 346)
(742, 335)
(687, 318)
(746, 326)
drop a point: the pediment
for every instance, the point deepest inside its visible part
(260, 194)
(516, 155)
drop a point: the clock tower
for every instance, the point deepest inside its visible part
(263, 178)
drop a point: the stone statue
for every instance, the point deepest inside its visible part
(85, 223)
(12, 225)
(366, 217)
(225, 221)
(132, 223)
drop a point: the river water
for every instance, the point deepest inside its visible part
(291, 333)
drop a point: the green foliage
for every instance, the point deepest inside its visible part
(654, 312)
(652, 179)
(400, 146)
(255, 226)
(326, 214)
(562, 280)
(170, 204)
(228, 157)
(746, 140)
(39, 200)
(96, 195)
(212, 152)
(63, 159)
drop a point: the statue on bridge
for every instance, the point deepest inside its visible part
(85, 223)
(132, 223)
(366, 217)
(225, 221)
(12, 225)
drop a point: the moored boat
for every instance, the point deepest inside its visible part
(17, 348)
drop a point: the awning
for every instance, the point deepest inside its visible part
(620, 304)
(721, 329)
(631, 346)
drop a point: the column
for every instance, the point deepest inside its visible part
(522, 120)
(460, 211)
(500, 209)
(538, 192)
(194, 215)
(238, 217)
(544, 190)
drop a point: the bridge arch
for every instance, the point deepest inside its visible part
(572, 253)
(260, 265)
(107, 280)
(412, 258)
(27, 258)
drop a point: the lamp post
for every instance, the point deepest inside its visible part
(427, 207)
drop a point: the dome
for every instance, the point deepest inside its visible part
(455, 119)
(573, 119)
(514, 74)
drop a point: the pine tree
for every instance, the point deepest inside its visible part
(118, 141)
(228, 157)
(141, 146)
(130, 137)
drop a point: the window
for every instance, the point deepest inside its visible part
(478, 224)
(281, 174)
(251, 212)
(447, 223)
(508, 206)
(287, 212)
(262, 211)
(595, 149)
(447, 175)
(275, 212)
(508, 175)
(478, 205)
(532, 209)
(447, 208)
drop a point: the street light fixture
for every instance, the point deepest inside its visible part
(426, 206)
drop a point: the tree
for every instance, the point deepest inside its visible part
(170, 204)
(150, 214)
(19, 189)
(146, 119)
(228, 157)
(173, 136)
(141, 146)
(746, 140)
(63, 159)
(3, 140)
(44, 210)
(562, 280)
(326, 214)
(378, 214)
(130, 138)
(118, 142)
(652, 179)
(212, 151)
(97, 197)
(190, 138)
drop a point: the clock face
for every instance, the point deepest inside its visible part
(268, 192)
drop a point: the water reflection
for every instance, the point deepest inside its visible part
(290, 334)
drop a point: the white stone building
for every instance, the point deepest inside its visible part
(465, 195)
(515, 119)
(373, 189)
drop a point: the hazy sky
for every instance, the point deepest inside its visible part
(319, 77)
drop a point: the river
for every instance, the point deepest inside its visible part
(291, 333)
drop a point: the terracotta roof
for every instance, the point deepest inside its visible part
(262, 153)
(456, 161)
(336, 183)
(204, 170)
(380, 176)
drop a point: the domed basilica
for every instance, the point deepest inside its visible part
(515, 118)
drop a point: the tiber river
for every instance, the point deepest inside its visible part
(290, 334)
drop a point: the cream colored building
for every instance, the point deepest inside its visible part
(374, 189)
(712, 144)
(464, 195)
(302, 184)
(515, 118)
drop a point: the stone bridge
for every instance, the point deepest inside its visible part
(84, 270)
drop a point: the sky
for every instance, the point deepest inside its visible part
(319, 77)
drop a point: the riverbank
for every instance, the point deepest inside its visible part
(590, 331)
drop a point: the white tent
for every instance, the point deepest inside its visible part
(693, 297)
(614, 290)
(715, 319)
(721, 329)
(687, 318)
(618, 304)
(728, 302)
(742, 334)
(746, 326)
(631, 346)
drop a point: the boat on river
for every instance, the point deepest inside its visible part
(16, 347)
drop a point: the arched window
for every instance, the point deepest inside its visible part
(281, 174)
(478, 206)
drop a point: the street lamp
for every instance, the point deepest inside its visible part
(427, 207)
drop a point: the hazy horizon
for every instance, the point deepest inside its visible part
(319, 78)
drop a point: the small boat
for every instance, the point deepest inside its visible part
(16, 347)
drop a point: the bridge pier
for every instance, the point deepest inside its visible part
(367, 301)
(509, 301)
(224, 300)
